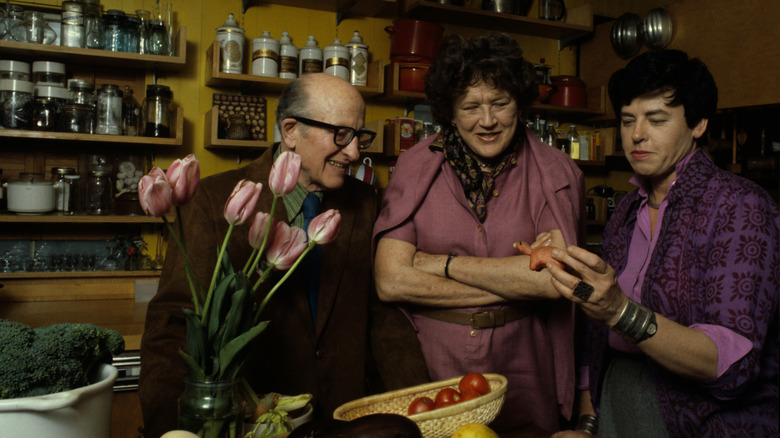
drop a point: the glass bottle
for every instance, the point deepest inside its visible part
(131, 35)
(15, 15)
(58, 178)
(99, 192)
(70, 197)
(551, 135)
(574, 142)
(131, 113)
(108, 119)
(563, 142)
(143, 30)
(33, 29)
(16, 104)
(92, 28)
(158, 38)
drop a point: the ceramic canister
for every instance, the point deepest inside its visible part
(310, 58)
(358, 60)
(288, 63)
(231, 46)
(336, 60)
(265, 55)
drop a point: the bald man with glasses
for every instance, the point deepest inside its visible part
(340, 343)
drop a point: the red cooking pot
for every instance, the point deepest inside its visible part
(570, 91)
(414, 41)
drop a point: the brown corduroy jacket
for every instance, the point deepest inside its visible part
(336, 361)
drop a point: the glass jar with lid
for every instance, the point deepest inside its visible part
(34, 29)
(99, 189)
(48, 107)
(16, 103)
(75, 117)
(157, 111)
(92, 39)
(49, 73)
(58, 179)
(108, 117)
(72, 24)
(131, 33)
(10, 69)
(113, 30)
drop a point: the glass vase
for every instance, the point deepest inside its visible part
(210, 409)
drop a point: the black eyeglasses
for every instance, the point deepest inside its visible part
(342, 135)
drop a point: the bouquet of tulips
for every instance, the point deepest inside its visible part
(226, 316)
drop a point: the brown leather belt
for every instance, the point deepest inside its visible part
(477, 320)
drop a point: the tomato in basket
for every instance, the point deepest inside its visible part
(421, 404)
(447, 397)
(469, 395)
(474, 382)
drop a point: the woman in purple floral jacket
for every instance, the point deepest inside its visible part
(683, 309)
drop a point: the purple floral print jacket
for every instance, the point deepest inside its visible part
(717, 261)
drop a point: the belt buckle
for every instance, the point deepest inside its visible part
(476, 324)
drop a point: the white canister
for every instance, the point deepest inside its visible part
(358, 60)
(231, 46)
(310, 59)
(288, 61)
(265, 56)
(336, 60)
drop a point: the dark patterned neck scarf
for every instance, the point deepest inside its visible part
(477, 185)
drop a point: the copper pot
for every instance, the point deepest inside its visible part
(570, 91)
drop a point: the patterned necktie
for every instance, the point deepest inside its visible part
(313, 261)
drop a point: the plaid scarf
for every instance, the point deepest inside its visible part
(477, 185)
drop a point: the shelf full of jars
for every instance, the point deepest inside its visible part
(274, 64)
(82, 33)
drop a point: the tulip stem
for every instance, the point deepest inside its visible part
(283, 279)
(257, 256)
(188, 269)
(217, 268)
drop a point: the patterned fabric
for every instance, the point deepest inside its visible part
(716, 262)
(477, 185)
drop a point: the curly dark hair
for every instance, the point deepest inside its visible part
(689, 81)
(462, 62)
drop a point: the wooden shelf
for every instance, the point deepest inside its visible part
(77, 140)
(59, 218)
(78, 274)
(218, 79)
(579, 20)
(103, 58)
(393, 93)
(211, 141)
(362, 8)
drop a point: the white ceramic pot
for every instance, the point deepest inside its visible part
(78, 413)
(30, 196)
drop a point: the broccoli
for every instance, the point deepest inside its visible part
(52, 359)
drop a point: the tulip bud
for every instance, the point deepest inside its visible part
(184, 175)
(257, 230)
(155, 193)
(241, 203)
(285, 246)
(324, 228)
(284, 173)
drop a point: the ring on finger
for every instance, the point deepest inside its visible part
(582, 291)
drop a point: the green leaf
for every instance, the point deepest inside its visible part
(233, 354)
(196, 372)
(236, 321)
(221, 296)
(196, 342)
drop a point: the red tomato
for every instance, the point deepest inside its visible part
(469, 395)
(446, 397)
(474, 382)
(421, 404)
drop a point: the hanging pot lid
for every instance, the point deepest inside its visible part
(657, 28)
(627, 35)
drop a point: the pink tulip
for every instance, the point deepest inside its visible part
(285, 246)
(241, 204)
(155, 193)
(257, 230)
(284, 173)
(184, 175)
(324, 228)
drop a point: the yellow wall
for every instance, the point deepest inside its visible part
(203, 17)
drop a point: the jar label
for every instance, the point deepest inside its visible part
(265, 53)
(289, 64)
(311, 66)
(336, 61)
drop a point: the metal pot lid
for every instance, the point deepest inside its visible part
(657, 28)
(627, 35)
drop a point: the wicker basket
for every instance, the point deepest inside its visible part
(438, 423)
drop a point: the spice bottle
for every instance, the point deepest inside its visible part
(358, 60)
(288, 61)
(310, 59)
(265, 55)
(336, 60)
(574, 142)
